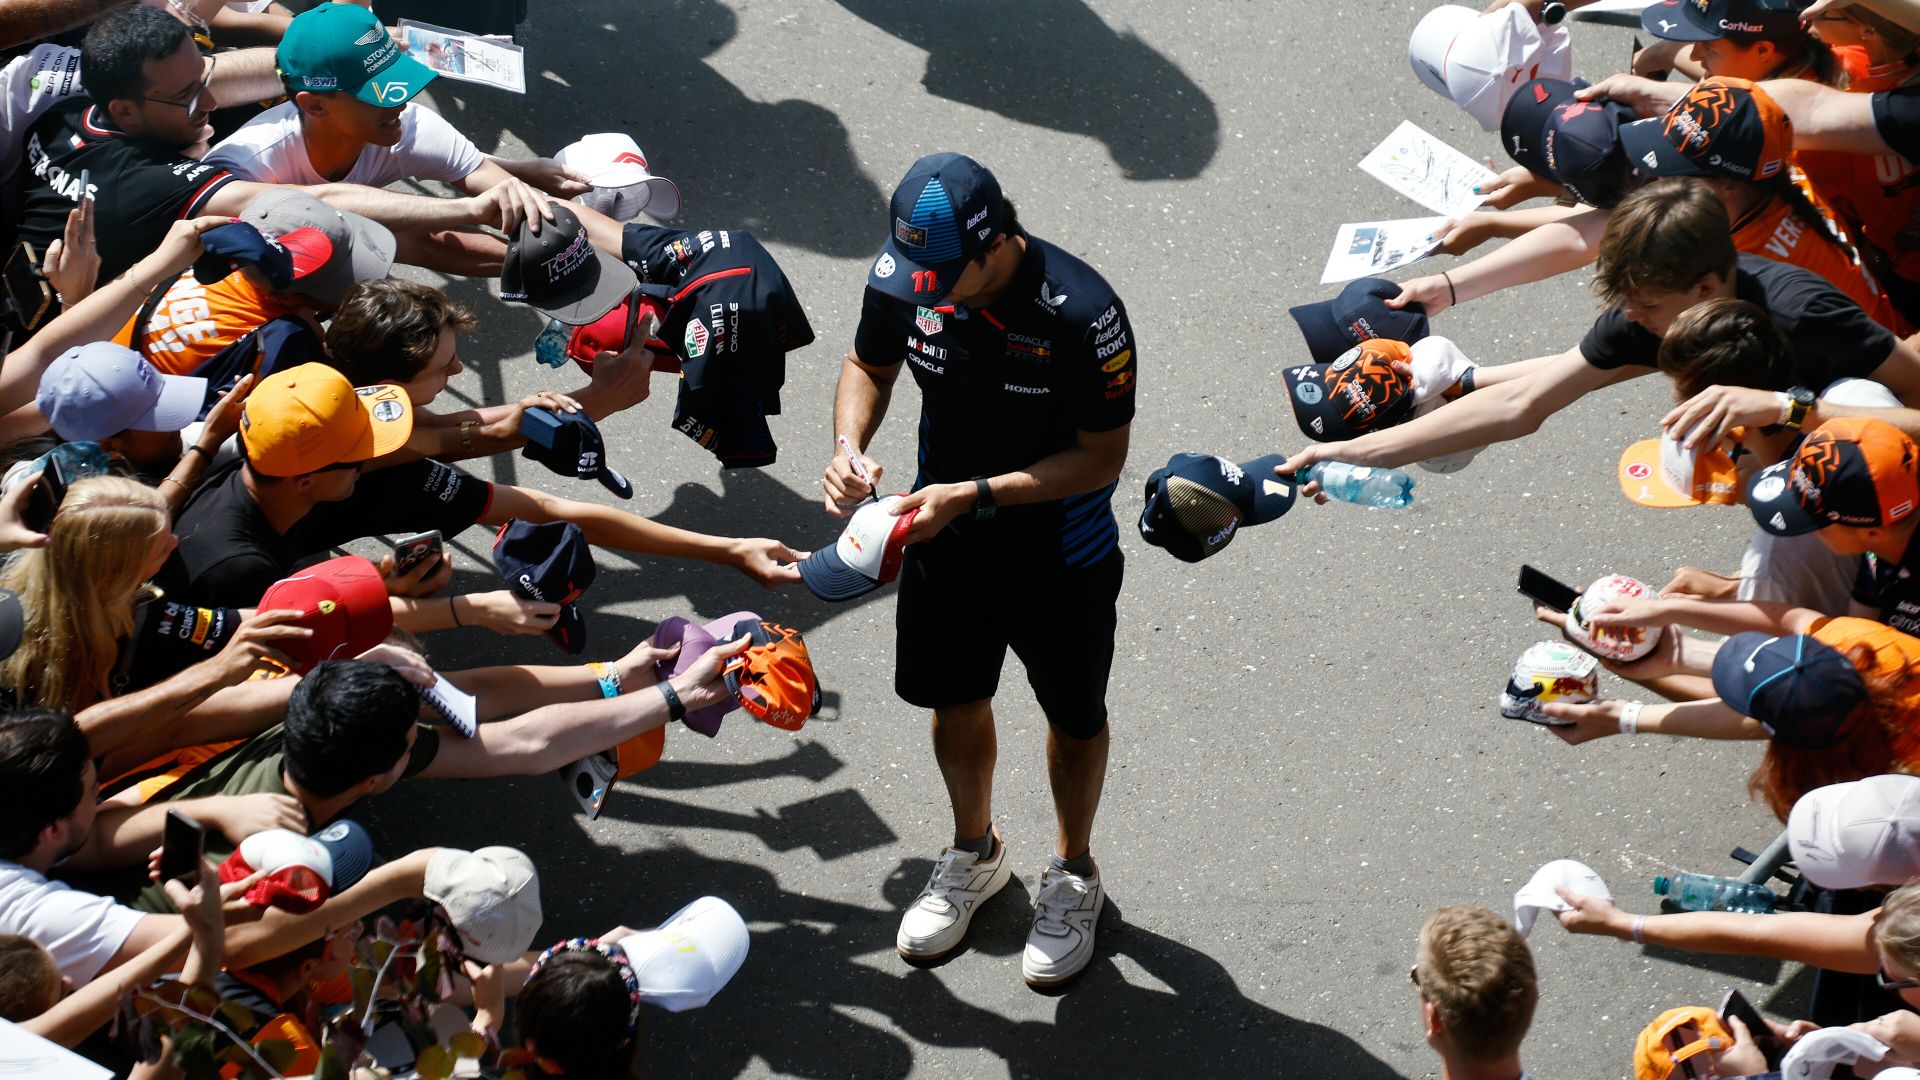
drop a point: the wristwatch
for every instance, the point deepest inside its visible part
(1799, 404)
(983, 504)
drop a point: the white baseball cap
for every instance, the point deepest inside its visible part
(866, 556)
(1865, 832)
(492, 896)
(1816, 1054)
(684, 961)
(1478, 60)
(623, 185)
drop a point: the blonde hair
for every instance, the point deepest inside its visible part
(1478, 975)
(1897, 928)
(77, 593)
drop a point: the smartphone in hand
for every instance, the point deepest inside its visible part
(182, 849)
(411, 551)
(1554, 594)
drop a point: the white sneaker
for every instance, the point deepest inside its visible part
(938, 918)
(1061, 940)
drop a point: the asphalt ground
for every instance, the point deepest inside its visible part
(1306, 755)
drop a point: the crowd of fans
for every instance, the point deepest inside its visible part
(212, 384)
(1747, 201)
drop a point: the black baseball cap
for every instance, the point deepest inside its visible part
(559, 273)
(1368, 388)
(1197, 502)
(1711, 20)
(944, 215)
(1574, 143)
(553, 563)
(570, 444)
(1359, 313)
(1800, 689)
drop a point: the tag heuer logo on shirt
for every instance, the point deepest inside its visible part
(928, 320)
(696, 340)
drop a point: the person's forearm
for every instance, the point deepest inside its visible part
(146, 725)
(1680, 687)
(1074, 471)
(1827, 119)
(439, 438)
(1737, 616)
(22, 21)
(178, 484)
(96, 318)
(231, 28)
(1907, 420)
(113, 724)
(607, 527)
(419, 614)
(1713, 719)
(512, 689)
(1513, 224)
(1490, 414)
(859, 403)
(246, 75)
(279, 932)
(1555, 247)
(121, 837)
(555, 736)
(1832, 942)
(395, 208)
(93, 1004)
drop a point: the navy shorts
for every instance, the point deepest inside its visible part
(962, 605)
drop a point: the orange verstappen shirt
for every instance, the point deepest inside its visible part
(1877, 196)
(193, 322)
(1773, 231)
(1892, 652)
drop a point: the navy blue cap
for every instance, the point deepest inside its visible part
(944, 214)
(1800, 689)
(1711, 20)
(570, 444)
(1359, 313)
(553, 563)
(231, 246)
(1197, 502)
(351, 850)
(1573, 143)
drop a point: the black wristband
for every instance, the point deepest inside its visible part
(676, 709)
(196, 448)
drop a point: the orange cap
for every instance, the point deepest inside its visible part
(1675, 1037)
(1662, 473)
(306, 418)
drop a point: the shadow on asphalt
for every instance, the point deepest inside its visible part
(822, 993)
(1056, 64)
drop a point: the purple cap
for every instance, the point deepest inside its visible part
(694, 641)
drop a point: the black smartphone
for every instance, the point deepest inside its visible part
(185, 845)
(28, 295)
(411, 551)
(44, 500)
(1735, 1004)
(1554, 594)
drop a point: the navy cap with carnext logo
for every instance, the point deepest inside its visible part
(1710, 20)
(1197, 502)
(553, 563)
(944, 215)
(1360, 313)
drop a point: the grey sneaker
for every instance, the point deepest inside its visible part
(938, 918)
(1061, 940)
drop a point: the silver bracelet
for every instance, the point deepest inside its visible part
(1639, 929)
(1630, 719)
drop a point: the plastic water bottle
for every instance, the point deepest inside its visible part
(550, 348)
(1362, 484)
(1704, 892)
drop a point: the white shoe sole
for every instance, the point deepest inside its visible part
(922, 954)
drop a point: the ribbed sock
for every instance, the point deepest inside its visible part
(1080, 866)
(979, 845)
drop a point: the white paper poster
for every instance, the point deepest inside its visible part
(469, 57)
(1369, 248)
(1428, 171)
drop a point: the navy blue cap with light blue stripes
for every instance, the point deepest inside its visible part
(944, 214)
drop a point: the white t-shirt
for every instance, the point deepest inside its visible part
(272, 149)
(81, 930)
(30, 84)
